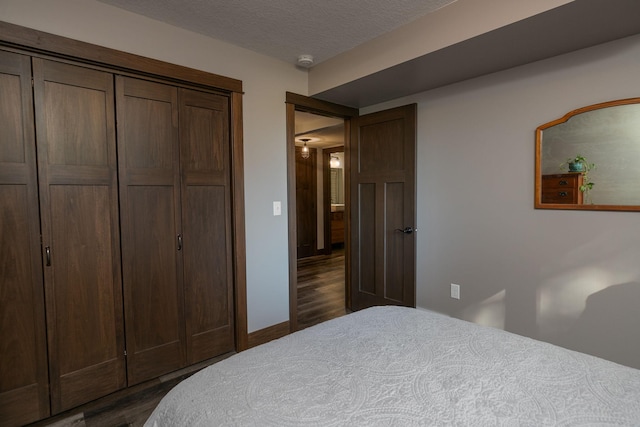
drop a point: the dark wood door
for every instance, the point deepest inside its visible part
(24, 384)
(149, 170)
(206, 226)
(75, 131)
(383, 208)
(306, 203)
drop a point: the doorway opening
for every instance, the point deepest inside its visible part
(318, 136)
(320, 206)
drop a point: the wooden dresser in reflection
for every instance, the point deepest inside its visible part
(337, 227)
(562, 188)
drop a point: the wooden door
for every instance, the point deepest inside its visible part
(75, 131)
(149, 162)
(24, 383)
(206, 227)
(306, 203)
(383, 208)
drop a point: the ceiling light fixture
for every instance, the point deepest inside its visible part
(305, 149)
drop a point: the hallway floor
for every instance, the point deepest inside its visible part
(321, 288)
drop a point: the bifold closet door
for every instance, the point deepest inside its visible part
(149, 161)
(75, 130)
(206, 207)
(24, 387)
(174, 165)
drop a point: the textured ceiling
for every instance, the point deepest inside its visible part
(285, 29)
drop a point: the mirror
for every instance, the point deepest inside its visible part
(590, 159)
(337, 179)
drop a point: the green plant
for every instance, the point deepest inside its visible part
(581, 164)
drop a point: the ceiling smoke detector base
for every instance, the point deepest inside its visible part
(305, 61)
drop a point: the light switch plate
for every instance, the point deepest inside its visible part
(277, 208)
(455, 291)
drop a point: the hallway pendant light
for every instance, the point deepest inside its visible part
(334, 162)
(305, 149)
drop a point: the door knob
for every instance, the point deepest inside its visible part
(406, 230)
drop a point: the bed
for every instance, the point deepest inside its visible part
(406, 367)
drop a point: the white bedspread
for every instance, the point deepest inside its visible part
(393, 366)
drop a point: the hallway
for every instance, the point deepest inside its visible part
(321, 288)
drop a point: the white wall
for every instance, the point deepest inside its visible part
(265, 82)
(568, 277)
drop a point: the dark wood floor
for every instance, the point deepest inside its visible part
(321, 288)
(129, 407)
(321, 296)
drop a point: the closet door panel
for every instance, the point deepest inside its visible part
(150, 209)
(24, 388)
(204, 139)
(209, 303)
(23, 368)
(153, 302)
(85, 316)
(75, 128)
(16, 138)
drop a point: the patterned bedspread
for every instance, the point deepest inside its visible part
(394, 366)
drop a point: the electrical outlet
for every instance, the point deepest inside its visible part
(455, 291)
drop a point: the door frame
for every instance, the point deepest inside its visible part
(295, 102)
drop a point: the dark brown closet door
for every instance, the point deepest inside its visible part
(206, 213)
(24, 384)
(75, 131)
(148, 156)
(306, 204)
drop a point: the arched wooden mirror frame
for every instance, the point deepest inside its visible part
(542, 191)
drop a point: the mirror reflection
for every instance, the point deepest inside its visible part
(590, 158)
(336, 163)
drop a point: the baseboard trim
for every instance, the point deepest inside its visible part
(268, 334)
